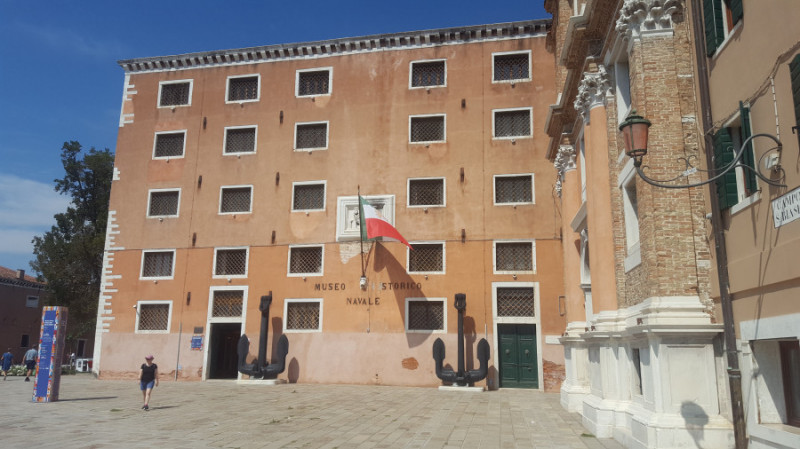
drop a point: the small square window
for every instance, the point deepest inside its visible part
(175, 93)
(303, 315)
(243, 88)
(311, 136)
(308, 196)
(426, 258)
(227, 303)
(426, 192)
(313, 82)
(512, 124)
(428, 73)
(163, 203)
(25, 341)
(514, 189)
(32, 302)
(235, 200)
(426, 129)
(157, 264)
(169, 144)
(153, 316)
(513, 257)
(305, 260)
(515, 302)
(511, 67)
(230, 262)
(240, 140)
(425, 315)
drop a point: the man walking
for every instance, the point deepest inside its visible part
(7, 359)
(30, 362)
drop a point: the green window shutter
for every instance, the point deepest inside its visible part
(723, 155)
(748, 158)
(712, 22)
(737, 11)
(794, 70)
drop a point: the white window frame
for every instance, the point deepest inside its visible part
(288, 301)
(161, 84)
(512, 138)
(228, 88)
(423, 61)
(324, 184)
(427, 331)
(427, 242)
(327, 136)
(150, 198)
(428, 142)
(227, 319)
(533, 256)
(303, 275)
(633, 256)
(155, 143)
(425, 207)
(231, 276)
(346, 209)
(313, 69)
(622, 92)
(139, 305)
(744, 200)
(240, 153)
(32, 301)
(582, 164)
(513, 175)
(157, 278)
(518, 80)
(223, 188)
(535, 320)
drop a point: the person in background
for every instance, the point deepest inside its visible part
(30, 362)
(148, 378)
(7, 358)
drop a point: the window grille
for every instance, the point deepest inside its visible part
(427, 129)
(231, 262)
(512, 123)
(513, 189)
(313, 135)
(175, 94)
(153, 317)
(169, 145)
(302, 315)
(240, 140)
(227, 303)
(235, 199)
(157, 264)
(426, 192)
(426, 315)
(309, 197)
(313, 83)
(426, 257)
(32, 301)
(515, 302)
(514, 256)
(306, 259)
(163, 203)
(245, 88)
(427, 74)
(511, 67)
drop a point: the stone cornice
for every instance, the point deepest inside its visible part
(637, 16)
(592, 91)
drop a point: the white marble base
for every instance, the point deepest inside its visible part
(458, 388)
(266, 382)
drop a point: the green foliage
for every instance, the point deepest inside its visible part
(70, 256)
(17, 370)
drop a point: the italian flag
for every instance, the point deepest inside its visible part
(374, 225)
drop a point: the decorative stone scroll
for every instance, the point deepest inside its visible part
(636, 16)
(565, 161)
(592, 91)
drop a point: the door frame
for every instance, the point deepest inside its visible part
(209, 320)
(517, 320)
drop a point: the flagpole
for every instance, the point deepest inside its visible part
(361, 232)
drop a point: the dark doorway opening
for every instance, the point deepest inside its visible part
(222, 350)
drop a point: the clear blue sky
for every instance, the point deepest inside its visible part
(59, 78)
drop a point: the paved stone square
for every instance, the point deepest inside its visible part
(223, 414)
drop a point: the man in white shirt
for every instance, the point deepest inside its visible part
(30, 362)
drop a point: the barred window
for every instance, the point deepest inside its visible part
(244, 88)
(515, 302)
(308, 196)
(513, 189)
(426, 192)
(313, 82)
(426, 258)
(427, 129)
(311, 136)
(427, 74)
(157, 264)
(303, 315)
(512, 67)
(163, 203)
(175, 94)
(230, 262)
(32, 301)
(510, 124)
(513, 256)
(169, 144)
(305, 260)
(425, 315)
(235, 200)
(152, 317)
(240, 140)
(227, 303)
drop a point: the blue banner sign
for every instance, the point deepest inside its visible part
(51, 351)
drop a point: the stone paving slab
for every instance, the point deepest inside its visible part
(95, 413)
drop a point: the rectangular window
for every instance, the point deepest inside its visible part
(302, 315)
(153, 316)
(426, 129)
(720, 17)
(32, 302)
(169, 144)
(790, 367)
(308, 196)
(158, 264)
(25, 341)
(630, 212)
(428, 74)
(425, 314)
(426, 258)
(313, 82)
(637, 371)
(740, 183)
(230, 262)
(240, 140)
(174, 93)
(227, 303)
(515, 302)
(426, 192)
(513, 189)
(243, 88)
(311, 136)
(234, 200)
(514, 257)
(163, 203)
(512, 123)
(510, 67)
(794, 74)
(305, 260)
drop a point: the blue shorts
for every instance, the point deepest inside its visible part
(30, 364)
(147, 386)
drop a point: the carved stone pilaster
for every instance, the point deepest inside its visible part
(592, 91)
(637, 16)
(565, 161)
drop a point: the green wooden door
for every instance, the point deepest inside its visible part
(518, 359)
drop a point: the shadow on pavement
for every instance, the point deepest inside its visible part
(100, 398)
